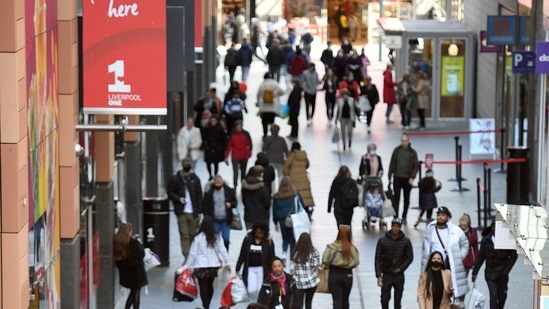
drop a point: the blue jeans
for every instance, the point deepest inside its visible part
(498, 291)
(223, 227)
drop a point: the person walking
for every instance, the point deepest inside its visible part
(255, 258)
(423, 90)
(231, 62)
(239, 148)
(310, 85)
(330, 85)
(371, 164)
(394, 254)
(255, 197)
(428, 186)
(294, 103)
(189, 142)
(345, 116)
(214, 142)
(245, 54)
(338, 198)
(285, 202)
(218, 204)
(327, 57)
(128, 254)
(206, 256)
(499, 263)
(185, 192)
(447, 238)
(276, 150)
(369, 90)
(403, 94)
(306, 261)
(234, 110)
(268, 101)
(279, 288)
(389, 91)
(296, 166)
(403, 168)
(297, 63)
(275, 58)
(268, 170)
(472, 237)
(341, 257)
(435, 287)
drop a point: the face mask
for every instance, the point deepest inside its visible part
(186, 168)
(218, 187)
(372, 152)
(436, 264)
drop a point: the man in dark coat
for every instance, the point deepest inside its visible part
(245, 54)
(231, 61)
(218, 203)
(499, 263)
(327, 57)
(255, 197)
(275, 58)
(185, 192)
(403, 169)
(394, 254)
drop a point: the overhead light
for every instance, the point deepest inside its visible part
(453, 50)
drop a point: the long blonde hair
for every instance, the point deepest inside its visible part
(286, 189)
(121, 243)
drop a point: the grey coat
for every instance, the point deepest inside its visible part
(457, 248)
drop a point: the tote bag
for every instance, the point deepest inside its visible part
(301, 223)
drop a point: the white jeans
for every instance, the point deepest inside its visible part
(255, 280)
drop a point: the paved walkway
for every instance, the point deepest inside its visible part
(324, 164)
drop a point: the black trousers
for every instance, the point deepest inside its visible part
(308, 294)
(310, 104)
(330, 99)
(275, 70)
(206, 291)
(421, 114)
(498, 291)
(343, 217)
(405, 113)
(392, 281)
(295, 125)
(340, 283)
(266, 120)
(402, 183)
(232, 69)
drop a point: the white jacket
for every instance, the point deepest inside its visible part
(201, 255)
(352, 105)
(184, 145)
(457, 249)
(269, 84)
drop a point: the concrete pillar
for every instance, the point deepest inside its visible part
(104, 218)
(70, 272)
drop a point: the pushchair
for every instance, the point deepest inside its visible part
(373, 205)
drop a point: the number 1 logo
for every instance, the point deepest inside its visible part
(118, 69)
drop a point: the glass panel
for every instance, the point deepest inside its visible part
(452, 78)
(421, 60)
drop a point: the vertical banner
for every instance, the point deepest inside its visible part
(124, 44)
(483, 141)
(428, 161)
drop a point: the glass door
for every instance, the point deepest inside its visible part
(452, 78)
(421, 58)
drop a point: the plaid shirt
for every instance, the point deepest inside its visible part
(306, 275)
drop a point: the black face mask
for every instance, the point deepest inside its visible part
(218, 187)
(436, 264)
(186, 169)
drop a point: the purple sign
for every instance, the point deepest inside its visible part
(523, 61)
(542, 57)
(484, 47)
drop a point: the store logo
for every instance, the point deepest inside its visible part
(544, 58)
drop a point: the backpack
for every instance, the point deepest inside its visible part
(268, 96)
(349, 193)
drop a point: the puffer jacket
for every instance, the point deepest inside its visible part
(499, 262)
(178, 184)
(334, 197)
(239, 146)
(457, 248)
(296, 167)
(256, 200)
(392, 254)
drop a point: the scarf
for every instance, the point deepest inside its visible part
(281, 281)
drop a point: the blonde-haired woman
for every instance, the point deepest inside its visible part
(128, 255)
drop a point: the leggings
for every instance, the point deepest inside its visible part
(206, 291)
(209, 167)
(239, 165)
(330, 101)
(310, 103)
(133, 298)
(429, 214)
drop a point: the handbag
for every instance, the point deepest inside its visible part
(457, 304)
(335, 136)
(151, 259)
(301, 223)
(288, 220)
(477, 300)
(389, 192)
(186, 285)
(387, 209)
(364, 103)
(322, 286)
(236, 223)
(412, 101)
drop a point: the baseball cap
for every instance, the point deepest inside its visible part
(186, 161)
(444, 209)
(397, 221)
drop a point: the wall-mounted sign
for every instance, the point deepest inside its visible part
(484, 47)
(501, 30)
(523, 61)
(524, 30)
(542, 57)
(393, 41)
(124, 57)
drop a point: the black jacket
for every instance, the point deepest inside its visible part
(178, 184)
(270, 292)
(427, 189)
(208, 203)
(393, 253)
(232, 58)
(413, 163)
(269, 173)
(267, 254)
(294, 101)
(364, 168)
(499, 262)
(256, 200)
(214, 141)
(327, 57)
(132, 268)
(276, 56)
(334, 197)
(371, 93)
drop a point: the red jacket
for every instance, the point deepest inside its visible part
(240, 146)
(298, 64)
(470, 259)
(388, 88)
(345, 84)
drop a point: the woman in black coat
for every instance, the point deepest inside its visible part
(428, 186)
(279, 288)
(330, 84)
(129, 254)
(342, 214)
(370, 91)
(214, 141)
(294, 102)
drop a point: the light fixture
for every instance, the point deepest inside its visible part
(78, 150)
(453, 50)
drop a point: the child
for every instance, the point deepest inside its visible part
(373, 200)
(279, 287)
(428, 186)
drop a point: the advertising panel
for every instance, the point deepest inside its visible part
(124, 46)
(453, 72)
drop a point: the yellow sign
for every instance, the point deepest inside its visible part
(453, 72)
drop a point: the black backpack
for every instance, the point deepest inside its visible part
(349, 195)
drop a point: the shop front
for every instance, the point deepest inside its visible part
(445, 52)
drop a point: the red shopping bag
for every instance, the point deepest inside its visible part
(186, 285)
(226, 298)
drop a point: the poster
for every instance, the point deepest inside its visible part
(453, 72)
(482, 142)
(124, 57)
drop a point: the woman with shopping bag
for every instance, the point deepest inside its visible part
(206, 256)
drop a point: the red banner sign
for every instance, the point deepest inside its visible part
(124, 45)
(428, 161)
